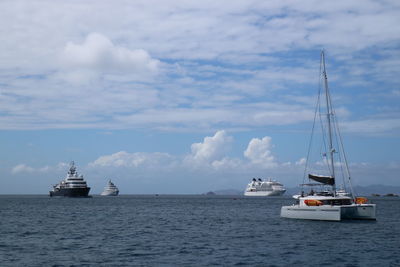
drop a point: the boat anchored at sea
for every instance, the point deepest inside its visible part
(72, 186)
(110, 190)
(328, 203)
(264, 188)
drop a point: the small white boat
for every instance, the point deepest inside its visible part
(110, 190)
(264, 188)
(329, 204)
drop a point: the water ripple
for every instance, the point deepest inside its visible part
(187, 231)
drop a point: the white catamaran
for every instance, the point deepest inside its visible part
(329, 203)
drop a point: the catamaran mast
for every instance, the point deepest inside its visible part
(329, 114)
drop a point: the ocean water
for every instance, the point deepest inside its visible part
(188, 231)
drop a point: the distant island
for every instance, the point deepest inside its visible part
(228, 192)
(378, 190)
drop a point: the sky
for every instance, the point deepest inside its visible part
(190, 96)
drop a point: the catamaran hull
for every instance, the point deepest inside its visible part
(359, 212)
(330, 213)
(264, 193)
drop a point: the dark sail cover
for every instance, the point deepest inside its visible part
(322, 179)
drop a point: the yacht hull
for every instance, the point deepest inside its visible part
(70, 192)
(264, 193)
(330, 213)
(110, 194)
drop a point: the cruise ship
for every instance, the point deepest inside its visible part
(110, 190)
(264, 188)
(72, 186)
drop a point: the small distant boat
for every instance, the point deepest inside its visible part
(110, 190)
(391, 195)
(72, 186)
(264, 188)
(328, 204)
(342, 192)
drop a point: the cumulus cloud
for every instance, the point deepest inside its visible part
(210, 155)
(207, 162)
(259, 151)
(98, 54)
(212, 148)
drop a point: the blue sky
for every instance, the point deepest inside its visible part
(192, 96)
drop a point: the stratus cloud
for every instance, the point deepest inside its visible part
(22, 168)
(372, 126)
(97, 52)
(259, 152)
(301, 161)
(236, 39)
(138, 159)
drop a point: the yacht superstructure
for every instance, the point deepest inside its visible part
(72, 186)
(264, 188)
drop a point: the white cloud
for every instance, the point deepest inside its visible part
(62, 166)
(135, 160)
(98, 52)
(373, 126)
(301, 161)
(211, 154)
(22, 168)
(211, 149)
(207, 165)
(228, 164)
(259, 152)
(45, 169)
(213, 60)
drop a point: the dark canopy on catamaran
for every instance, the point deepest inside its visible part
(322, 179)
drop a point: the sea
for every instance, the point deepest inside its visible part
(188, 230)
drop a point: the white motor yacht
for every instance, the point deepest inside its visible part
(72, 186)
(110, 190)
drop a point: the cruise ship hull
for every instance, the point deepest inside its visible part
(70, 192)
(264, 193)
